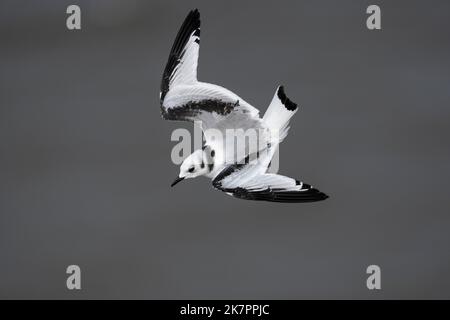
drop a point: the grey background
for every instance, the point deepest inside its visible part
(85, 156)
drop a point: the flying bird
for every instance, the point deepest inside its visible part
(184, 98)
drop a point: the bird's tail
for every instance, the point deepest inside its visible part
(278, 114)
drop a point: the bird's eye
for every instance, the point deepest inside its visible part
(191, 169)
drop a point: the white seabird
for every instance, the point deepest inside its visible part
(185, 98)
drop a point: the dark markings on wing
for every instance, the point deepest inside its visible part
(191, 24)
(190, 110)
(217, 182)
(291, 106)
(278, 195)
(305, 194)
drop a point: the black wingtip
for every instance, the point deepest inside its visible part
(291, 106)
(311, 190)
(322, 196)
(194, 15)
(311, 194)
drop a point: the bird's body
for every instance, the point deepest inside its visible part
(225, 117)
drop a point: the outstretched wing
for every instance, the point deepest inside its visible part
(250, 182)
(181, 67)
(183, 97)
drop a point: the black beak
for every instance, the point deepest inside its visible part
(176, 181)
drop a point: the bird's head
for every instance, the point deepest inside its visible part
(193, 166)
